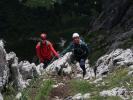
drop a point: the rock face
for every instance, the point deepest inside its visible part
(11, 70)
(115, 14)
(113, 27)
(1, 97)
(122, 92)
(79, 96)
(59, 64)
(22, 72)
(118, 57)
(4, 70)
(64, 66)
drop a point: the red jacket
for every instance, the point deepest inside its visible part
(46, 51)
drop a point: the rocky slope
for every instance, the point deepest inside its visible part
(22, 73)
(109, 68)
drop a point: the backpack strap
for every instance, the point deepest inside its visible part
(47, 42)
(41, 45)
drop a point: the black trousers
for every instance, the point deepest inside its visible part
(81, 61)
(82, 66)
(46, 62)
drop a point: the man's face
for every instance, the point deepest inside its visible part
(76, 40)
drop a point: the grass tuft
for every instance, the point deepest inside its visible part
(44, 90)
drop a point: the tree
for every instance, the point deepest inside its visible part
(41, 3)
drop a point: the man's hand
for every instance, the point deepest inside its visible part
(58, 56)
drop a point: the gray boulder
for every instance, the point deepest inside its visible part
(1, 97)
(15, 75)
(65, 66)
(22, 72)
(86, 96)
(116, 58)
(26, 69)
(122, 92)
(60, 64)
(78, 96)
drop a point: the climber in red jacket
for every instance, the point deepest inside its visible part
(45, 50)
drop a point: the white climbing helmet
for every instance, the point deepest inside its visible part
(75, 35)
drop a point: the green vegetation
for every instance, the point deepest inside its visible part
(98, 43)
(59, 18)
(37, 85)
(40, 90)
(27, 92)
(44, 90)
(128, 43)
(40, 3)
(9, 91)
(80, 86)
(118, 78)
(26, 19)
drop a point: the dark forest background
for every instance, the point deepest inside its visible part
(102, 24)
(21, 21)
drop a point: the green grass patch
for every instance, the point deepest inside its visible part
(37, 85)
(9, 91)
(118, 78)
(38, 91)
(80, 86)
(44, 90)
(26, 93)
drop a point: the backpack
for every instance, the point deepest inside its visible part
(87, 45)
(41, 44)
